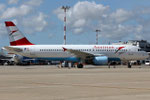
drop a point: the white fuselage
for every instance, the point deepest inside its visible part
(97, 53)
(126, 53)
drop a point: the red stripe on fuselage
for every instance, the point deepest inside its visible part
(22, 41)
(9, 23)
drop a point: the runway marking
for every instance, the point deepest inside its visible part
(86, 85)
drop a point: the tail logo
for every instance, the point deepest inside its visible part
(13, 32)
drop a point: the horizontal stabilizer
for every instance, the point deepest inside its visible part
(12, 49)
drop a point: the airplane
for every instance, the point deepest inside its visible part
(12, 59)
(80, 54)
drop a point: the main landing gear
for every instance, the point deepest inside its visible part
(79, 65)
(129, 65)
(66, 64)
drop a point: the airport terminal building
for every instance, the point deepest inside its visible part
(143, 44)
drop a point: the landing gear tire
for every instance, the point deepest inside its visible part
(80, 66)
(129, 65)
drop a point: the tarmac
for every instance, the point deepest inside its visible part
(90, 83)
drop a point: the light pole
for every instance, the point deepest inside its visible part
(97, 31)
(65, 8)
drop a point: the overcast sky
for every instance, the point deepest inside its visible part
(42, 20)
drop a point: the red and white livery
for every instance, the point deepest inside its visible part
(91, 54)
(15, 36)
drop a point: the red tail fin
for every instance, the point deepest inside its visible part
(15, 36)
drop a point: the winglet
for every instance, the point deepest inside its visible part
(64, 49)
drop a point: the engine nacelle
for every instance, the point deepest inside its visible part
(100, 60)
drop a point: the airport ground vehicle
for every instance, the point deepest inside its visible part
(147, 62)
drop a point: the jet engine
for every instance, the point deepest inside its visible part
(100, 60)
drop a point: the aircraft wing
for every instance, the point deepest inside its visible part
(81, 54)
(13, 49)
